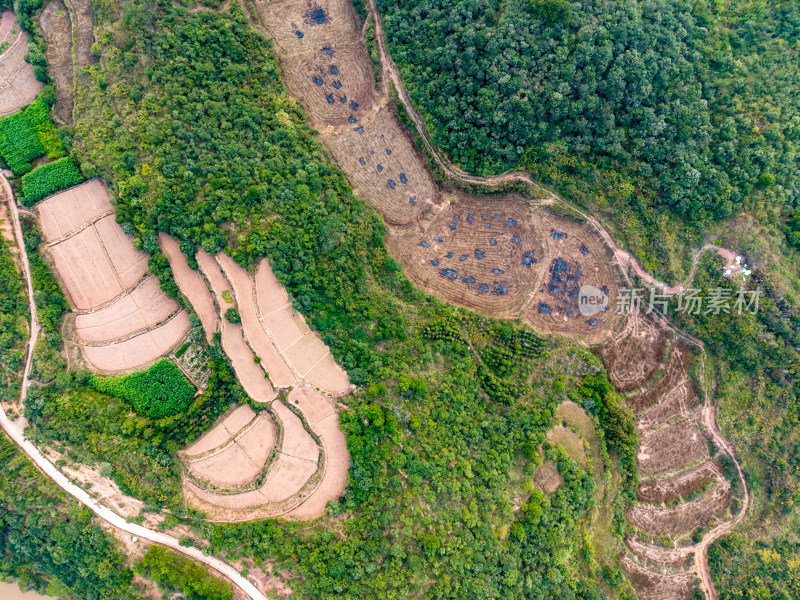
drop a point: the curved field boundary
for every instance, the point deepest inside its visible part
(18, 85)
(50, 470)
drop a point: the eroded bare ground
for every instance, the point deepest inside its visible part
(684, 492)
(501, 255)
(57, 30)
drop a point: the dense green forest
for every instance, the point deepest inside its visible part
(187, 118)
(662, 114)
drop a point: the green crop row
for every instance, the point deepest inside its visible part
(160, 391)
(48, 179)
(28, 134)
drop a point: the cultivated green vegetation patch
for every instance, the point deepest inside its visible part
(28, 134)
(160, 391)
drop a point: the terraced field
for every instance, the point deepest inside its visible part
(122, 319)
(291, 458)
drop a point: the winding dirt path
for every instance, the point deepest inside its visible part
(624, 258)
(16, 433)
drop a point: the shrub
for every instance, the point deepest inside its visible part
(48, 179)
(232, 315)
(176, 572)
(161, 391)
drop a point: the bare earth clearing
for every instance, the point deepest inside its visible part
(124, 320)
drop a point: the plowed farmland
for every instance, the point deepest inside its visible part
(18, 85)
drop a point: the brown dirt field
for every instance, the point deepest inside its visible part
(86, 272)
(683, 518)
(656, 491)
(296, 442)
(570, 441)
(140, 351)
(651, 585)
(228, 426)
(242, 461)
(485, 254)
(314, 406)
(334, 480)
(241, 285)
(671, 447)
(575, 251)
(287, 476)
(635, 354)
(145, 306)
(407, 202)
(18, 85)
(285, 329)
(250, 374)
(306, 353)
(335, 90)
(669, 377)
(64, 213)
(547, 478)
(283, 19)
(680, 400)
(6, 25)
(129, 263)
(300, 346)
(57, 30)
(191, 284)
(649, 554)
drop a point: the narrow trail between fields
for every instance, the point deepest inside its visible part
(17, 435)
(625, 260)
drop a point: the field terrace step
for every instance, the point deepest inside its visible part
(653, 585)
(671, 447)
(659, 556)
(125, 321)
(191, 284)
(241, 286)
(250, 374)
(678, 485)
(683, 518)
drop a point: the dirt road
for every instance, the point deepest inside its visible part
(16, 433)
(625, 260)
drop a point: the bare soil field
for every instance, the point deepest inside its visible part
(336, 85)
(680, 485)
(574, 257)
(126, 320)
(63, 214)
(635, 354)
(488, 259)
(547, 478)
(239, 462)
(241, 285)
(684, 518)
(145, 306)
(87, 274)
(129, 263)
(672, 375)
(228, 427)
(384, 167)
(18, 85)
(57, 29)
(303, 26)
(671, 447)
(140, 351)
(191, 284)
(680, 400)
(652, 585)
